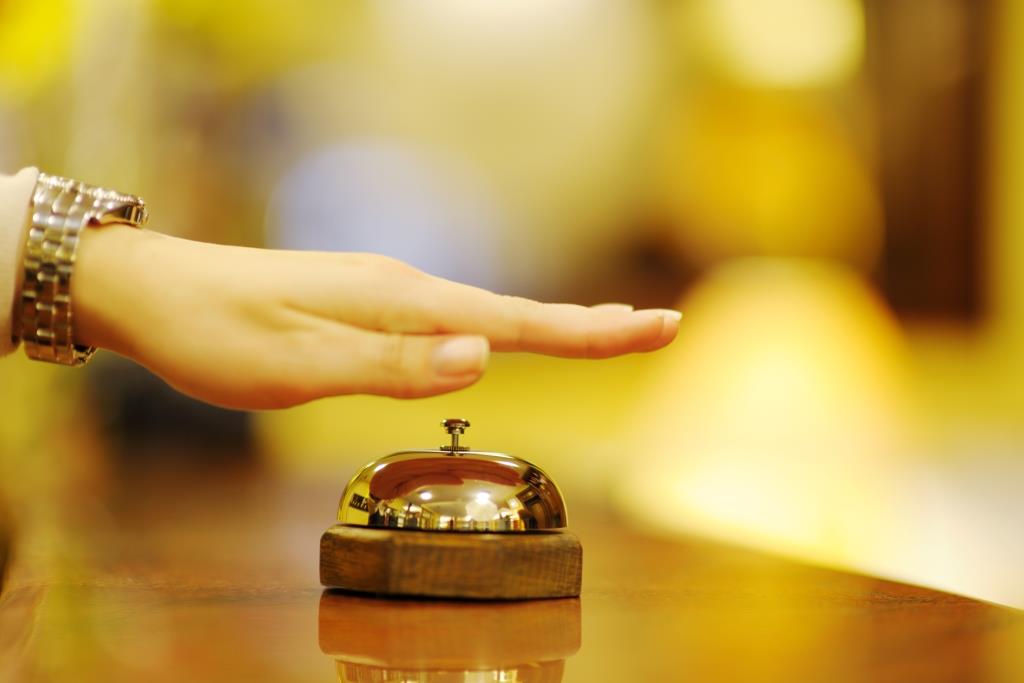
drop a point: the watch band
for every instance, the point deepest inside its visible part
(61, 209)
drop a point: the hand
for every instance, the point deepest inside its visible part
(258, 328)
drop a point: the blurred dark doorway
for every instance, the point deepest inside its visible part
(928, 66)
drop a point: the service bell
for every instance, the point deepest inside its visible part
(452, 522)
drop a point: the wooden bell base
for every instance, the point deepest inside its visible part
(443, 564)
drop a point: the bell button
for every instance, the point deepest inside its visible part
(455, 426)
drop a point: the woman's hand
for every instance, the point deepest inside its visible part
(256, 328)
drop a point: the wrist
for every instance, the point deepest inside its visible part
(110, 269)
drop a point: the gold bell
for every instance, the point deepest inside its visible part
(452, 522)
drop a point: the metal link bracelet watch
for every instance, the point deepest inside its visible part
(61, 209)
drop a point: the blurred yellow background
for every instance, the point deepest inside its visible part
(732, 159)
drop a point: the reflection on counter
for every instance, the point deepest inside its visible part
(387, 641)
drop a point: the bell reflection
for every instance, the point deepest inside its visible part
(410, 641)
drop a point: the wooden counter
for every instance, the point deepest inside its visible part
(174, 580)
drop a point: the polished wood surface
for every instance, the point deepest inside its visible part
(447, 635)
(176, 580)
(495, 566)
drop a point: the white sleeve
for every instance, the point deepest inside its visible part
(15, 197)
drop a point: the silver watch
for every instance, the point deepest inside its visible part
(61, 209)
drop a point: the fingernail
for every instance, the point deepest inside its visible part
(461, 356)
(664, 313)
(626, 308)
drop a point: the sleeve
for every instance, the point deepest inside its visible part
(15, 197)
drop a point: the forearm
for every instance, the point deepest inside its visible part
(15, 196)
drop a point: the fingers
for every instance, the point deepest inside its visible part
(396, 298)
(613, 307)
(516, 324)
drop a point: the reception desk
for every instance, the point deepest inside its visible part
(214, 578)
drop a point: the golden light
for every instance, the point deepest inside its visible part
(778, 413)
(785, 43)
(746, 175)
(28, 63)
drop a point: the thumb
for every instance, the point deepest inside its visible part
(408, 365)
